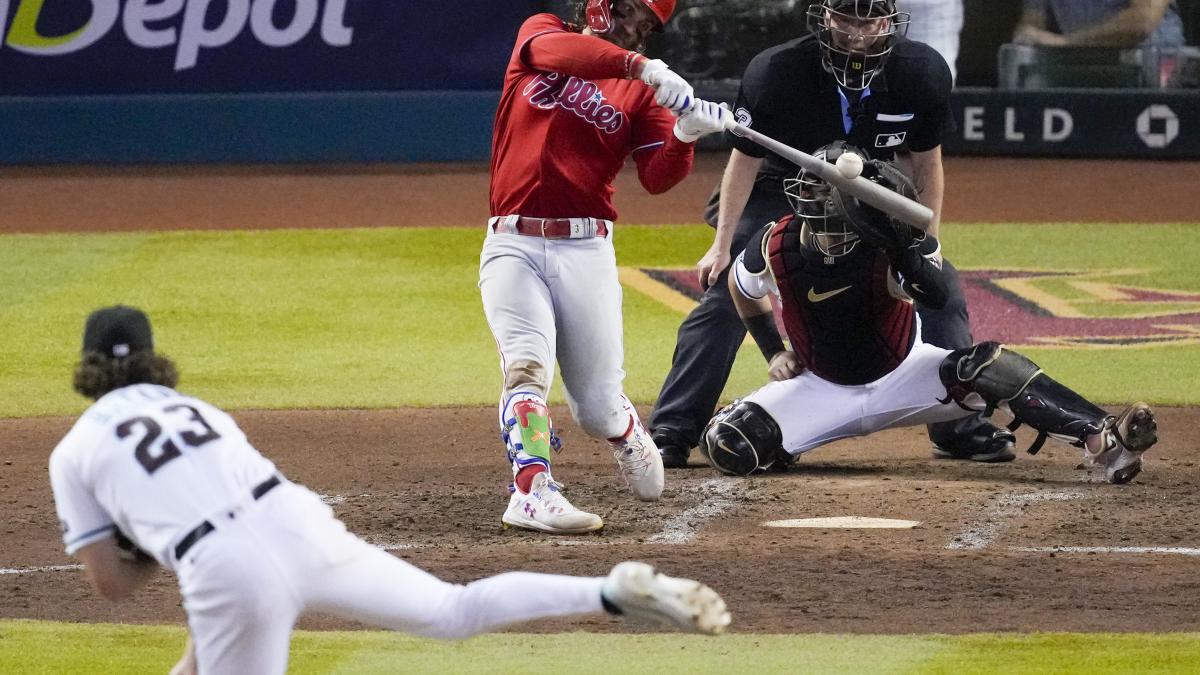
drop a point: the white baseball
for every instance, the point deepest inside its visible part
(849, 165)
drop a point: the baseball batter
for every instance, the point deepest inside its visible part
(846, 277)
(253, 550)
(577, 101)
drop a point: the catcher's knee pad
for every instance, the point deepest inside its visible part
(1004, 378)
(996, 374)
(742, 438)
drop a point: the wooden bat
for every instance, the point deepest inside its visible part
(888, 201)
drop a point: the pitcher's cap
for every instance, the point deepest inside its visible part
(117, 331)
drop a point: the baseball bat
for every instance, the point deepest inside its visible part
(888, 201)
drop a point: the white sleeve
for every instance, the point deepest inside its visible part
(752, 285)
(80, 516)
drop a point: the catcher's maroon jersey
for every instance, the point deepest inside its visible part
(584, 125)
(850, 319)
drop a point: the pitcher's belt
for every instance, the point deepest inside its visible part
(189, 540)
(551, 228)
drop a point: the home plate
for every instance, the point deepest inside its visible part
(846, 523)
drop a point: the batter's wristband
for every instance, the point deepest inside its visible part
(762, 328)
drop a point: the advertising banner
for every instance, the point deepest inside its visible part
(1132, 123)
(82, 47)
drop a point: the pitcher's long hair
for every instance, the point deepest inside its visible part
(97, 373)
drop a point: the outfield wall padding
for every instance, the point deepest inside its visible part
(408, 126)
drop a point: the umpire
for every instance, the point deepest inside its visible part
(829, 85)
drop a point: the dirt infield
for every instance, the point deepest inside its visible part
(440, 508)
(980, 560)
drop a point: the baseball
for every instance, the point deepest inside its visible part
(849, 165)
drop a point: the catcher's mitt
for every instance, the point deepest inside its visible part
(874, 227)
(129, 551)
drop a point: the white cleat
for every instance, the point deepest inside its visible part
(545, 509)
(639, 460)
(638, 591)
(1131, 434)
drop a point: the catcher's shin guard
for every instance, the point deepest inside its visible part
(743, 438)
(1004, 378)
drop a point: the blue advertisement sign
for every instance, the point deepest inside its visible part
(81, 47)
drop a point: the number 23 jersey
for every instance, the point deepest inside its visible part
(154, 463)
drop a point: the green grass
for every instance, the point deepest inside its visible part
(105, 648)
(392, 317)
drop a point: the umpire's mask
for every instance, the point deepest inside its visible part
(856, 37)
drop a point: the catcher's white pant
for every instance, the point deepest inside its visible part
(811, 411)
(548, 299)
(245, 584)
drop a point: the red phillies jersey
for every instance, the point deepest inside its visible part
(568, 118)
(843, 316)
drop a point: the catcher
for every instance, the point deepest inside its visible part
(847, 277)
(253, 550)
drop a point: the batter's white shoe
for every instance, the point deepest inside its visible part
(545, 509)
(638, 591)
(639, 460)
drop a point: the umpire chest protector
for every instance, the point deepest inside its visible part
(842, 316)
(787, 95)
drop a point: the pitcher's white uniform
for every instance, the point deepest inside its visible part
(160, 465)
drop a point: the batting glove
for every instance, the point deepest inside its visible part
(671, 90)
(703, 118)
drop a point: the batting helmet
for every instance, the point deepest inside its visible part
(856, 37)
(599, 13)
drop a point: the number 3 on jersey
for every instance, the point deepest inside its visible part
(152, 459)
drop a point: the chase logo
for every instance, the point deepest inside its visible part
(187, 25)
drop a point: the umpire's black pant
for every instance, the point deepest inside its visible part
(710, 336)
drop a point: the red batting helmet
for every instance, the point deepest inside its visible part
(599, 13)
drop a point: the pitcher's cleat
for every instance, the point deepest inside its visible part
(545, 509)
(638, 591)
(1130, 435)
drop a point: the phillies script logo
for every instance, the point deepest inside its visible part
(1026, 308)
(579, 96)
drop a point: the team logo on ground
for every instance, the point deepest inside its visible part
(1025, 308)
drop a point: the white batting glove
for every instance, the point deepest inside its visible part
(671, 90)
(703, 118)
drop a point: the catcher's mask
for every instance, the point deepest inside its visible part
(599, 13)
(813, 201)
(856, 37)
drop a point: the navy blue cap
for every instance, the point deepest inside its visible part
(117, 331)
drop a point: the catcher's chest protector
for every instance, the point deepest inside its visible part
(840, 316)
